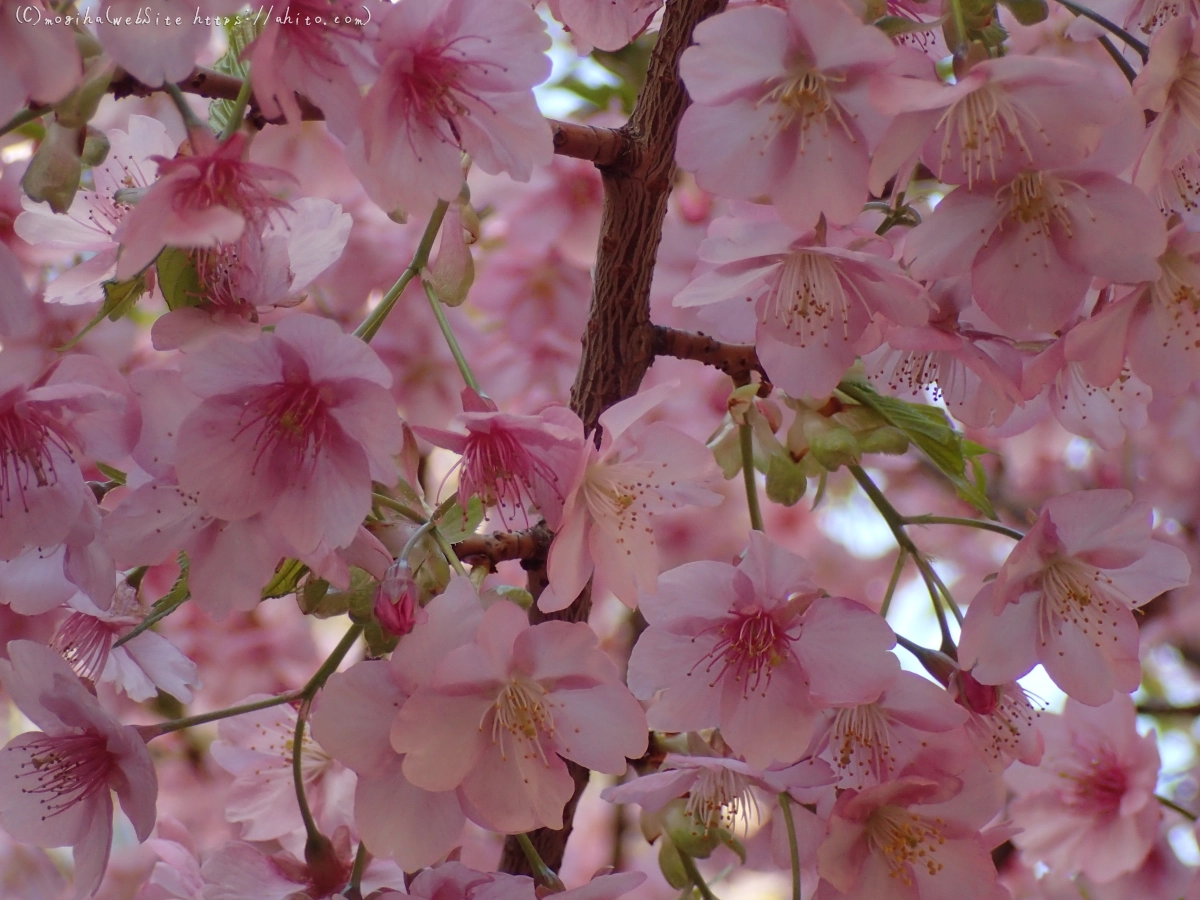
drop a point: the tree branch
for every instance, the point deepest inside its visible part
(618, 342)
(602, 146)
(532, 544)
(738, 361)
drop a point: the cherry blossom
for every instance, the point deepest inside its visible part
(814, 295)
(41, 61)
(903, 839)
(607, 26)
(776, 108)
(513, 463)
(1090, 808)
(198, 201)
(355, 718)
(292, 427)
(638, 470)
(146, 664)
(95, 215)
(755, 651)
(455, 77)
(1065, 595)
(57, 783)
(501, 714)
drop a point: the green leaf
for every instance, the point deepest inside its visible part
(930, 429)
(119, 298)
(240, 34)
(178, 279)
(111, 473)
(455, 527)
(166, 604)
(286, 580)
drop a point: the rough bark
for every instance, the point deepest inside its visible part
(619, 341)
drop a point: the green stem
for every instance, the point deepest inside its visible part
(331, 663)
(361, 858)
(785, 804)
(746, 440)
(937, 579)
(451, 341)
(371, 324)
(543, 872)
(24, 117)
(895, 522)
(448, 551)
(216, 715)
(239, 110)
(185, 111)
(1171, 804)
(1141, 49)
(981, 524)
(310, 824)
(901, 558)
(689, 866)
(407, 511)
(960, 24)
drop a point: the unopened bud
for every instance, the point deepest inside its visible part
(453, 272)
(53, 173)
(397, 602)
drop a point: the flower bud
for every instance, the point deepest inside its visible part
(397, 602)
(53, 173)
(453, 272)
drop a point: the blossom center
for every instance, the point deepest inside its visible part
(861, 741)
(751, 645)
(84, 642)
(807, 296)
(1097, 786)
(26, 455)
(292, 419)
(1185, 91)
(498, 470)
(522, 711)
(1081, 595)
(1032, 199)
(63, 771)
(720, 797)
(804, 98)
(984, 121)
(905, 840)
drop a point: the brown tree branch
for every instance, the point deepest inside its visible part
(738, 361)
(618, 342)
(504, 545)
(602, 146)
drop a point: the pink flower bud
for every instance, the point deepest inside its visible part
(397, 604)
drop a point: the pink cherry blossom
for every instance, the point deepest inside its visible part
(606, 25)
(146, 47)
(1155, 327)
(1106, 413)
(1166, 86)
(455, 77)
(241, 871)
(902, 840)
(815, 294)
(1034, 243)
(1090, 807)
(755, 651)
(1002, 723)
(721, 791)
(293, 426)
(502, 712)
(1065, 595)
(40, 60)
(45, 420)
(257, 749)
(56, 784)
(454, 881)
(354, 719)
(514, 463)
(302, 51)
(139, 668)
(868, 743)
(95, 215)
(1003, 116)
(638, 470)
(198, 201)
(777, 95)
